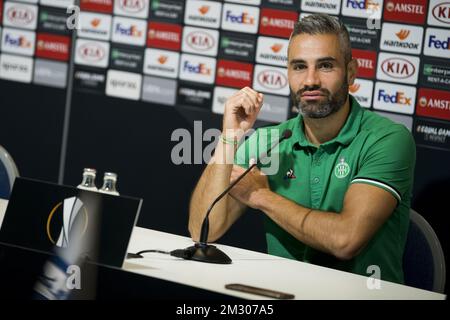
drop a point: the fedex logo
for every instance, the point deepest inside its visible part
(363, 4)
(362, 8)
(398, 97)
(437, 43)
(199, 68)
(395, 98)
(128, 31)
(19, 41)
(243, 18)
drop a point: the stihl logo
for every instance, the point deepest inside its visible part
(354, 88)
(403, 34)
(276, 47)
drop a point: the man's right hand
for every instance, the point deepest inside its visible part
(241, 110)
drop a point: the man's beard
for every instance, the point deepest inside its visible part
(320, 109)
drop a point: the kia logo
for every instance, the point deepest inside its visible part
(272, 79)
(441, 12)
(91, 52)
(132, 6)
(199, 40)
(398, 68)
(20, 15)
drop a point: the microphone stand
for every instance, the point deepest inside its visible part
(204, 252)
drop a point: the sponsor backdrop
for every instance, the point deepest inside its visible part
(170, 62)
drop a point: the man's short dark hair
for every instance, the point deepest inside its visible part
(320, 23)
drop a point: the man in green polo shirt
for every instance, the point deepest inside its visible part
(340, 194)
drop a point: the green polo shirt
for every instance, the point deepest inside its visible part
(369, 149)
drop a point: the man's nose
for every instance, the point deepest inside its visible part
(312, 78)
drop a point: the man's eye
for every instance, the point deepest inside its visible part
(326, 65)
(299, 66)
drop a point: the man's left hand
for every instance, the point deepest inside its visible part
(250, 190)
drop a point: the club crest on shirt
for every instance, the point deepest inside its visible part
(342, 169)
(290, 175)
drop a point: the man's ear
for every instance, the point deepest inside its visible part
(352, 69)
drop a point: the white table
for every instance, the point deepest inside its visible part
(305, 281)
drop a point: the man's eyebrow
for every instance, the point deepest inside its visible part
(324, 59)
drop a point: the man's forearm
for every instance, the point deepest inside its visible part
(324, 231)
(213, 181)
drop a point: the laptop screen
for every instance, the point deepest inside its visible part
(47, 216)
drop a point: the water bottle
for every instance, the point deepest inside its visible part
(88, 182)
(109, 184)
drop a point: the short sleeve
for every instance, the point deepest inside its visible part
(389, 163)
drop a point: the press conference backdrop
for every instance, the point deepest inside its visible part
(144, 68)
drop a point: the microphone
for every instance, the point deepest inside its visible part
(204, 252)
